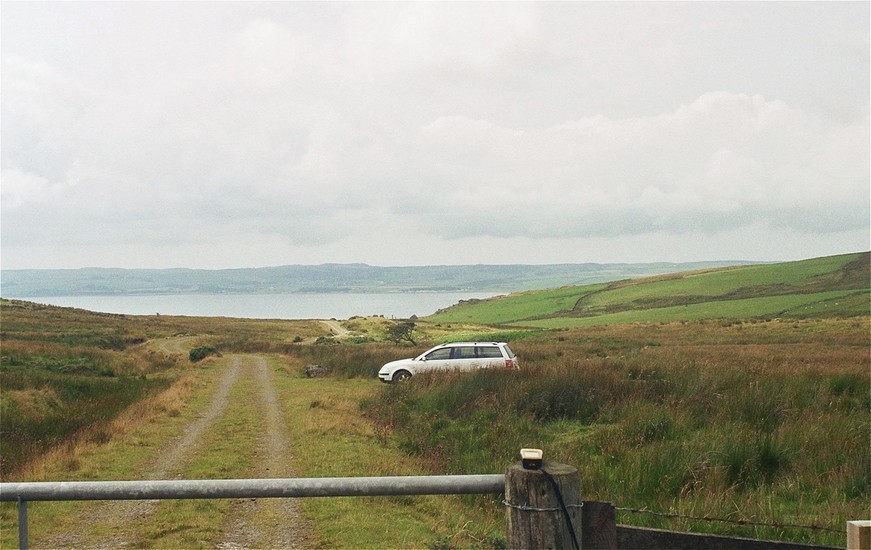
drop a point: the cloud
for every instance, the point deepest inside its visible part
(320, 125)
(721, 162)
(22, 187)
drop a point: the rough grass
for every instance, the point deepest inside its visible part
(51, 392)
(126, 444)
(751, 421)
(332, 439)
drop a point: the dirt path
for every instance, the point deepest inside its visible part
(261, 523)
(338, 330)
(170, 460)
(266, 523)
(176, 345)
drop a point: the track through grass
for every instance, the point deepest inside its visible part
(327, 436)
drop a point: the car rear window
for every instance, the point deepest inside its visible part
(508, 351)
(489, 351)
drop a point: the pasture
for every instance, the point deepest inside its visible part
(835, 286)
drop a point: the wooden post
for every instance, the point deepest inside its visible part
(859, 535)
(599, 529)
(536, 519)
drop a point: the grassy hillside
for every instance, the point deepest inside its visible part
(835, 286)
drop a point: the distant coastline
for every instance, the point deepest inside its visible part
(326, 278)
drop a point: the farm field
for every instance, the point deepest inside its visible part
(833, 286)
(755, 417)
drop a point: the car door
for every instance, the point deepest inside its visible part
(436, 360)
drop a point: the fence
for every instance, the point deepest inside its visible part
(543, 507)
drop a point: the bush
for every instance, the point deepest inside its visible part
(200, 353)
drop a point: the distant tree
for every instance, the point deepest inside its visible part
(397, 332)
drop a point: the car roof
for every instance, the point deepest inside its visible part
(471, 344)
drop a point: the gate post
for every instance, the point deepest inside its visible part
(859, 535)
(22, 524)
(543, 506)
(600, 526)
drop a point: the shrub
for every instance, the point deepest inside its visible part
(200, 353)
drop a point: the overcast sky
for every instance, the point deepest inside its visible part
(213, 135)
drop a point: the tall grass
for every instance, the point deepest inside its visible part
(352, 361)
(50, 393)
(781, 429)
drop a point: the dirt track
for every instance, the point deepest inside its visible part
(179, 345)
(260, 523)
(338, 330)
(240, 530)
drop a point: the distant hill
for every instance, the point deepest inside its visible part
(834, 286)
(30, 283)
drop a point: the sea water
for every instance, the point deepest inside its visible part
(398, 305)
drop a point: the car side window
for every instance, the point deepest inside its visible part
(489, 352)
(439, 354)
(464, 352)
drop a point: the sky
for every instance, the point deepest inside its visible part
(222, 134)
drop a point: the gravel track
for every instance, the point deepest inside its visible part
(260, 523)
(266, 523)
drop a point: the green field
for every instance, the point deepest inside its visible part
(822, 287)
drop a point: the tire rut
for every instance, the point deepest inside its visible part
(273, 522)
(170, 461)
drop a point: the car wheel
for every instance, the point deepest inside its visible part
(401, 376)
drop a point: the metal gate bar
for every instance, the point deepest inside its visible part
(244, 488)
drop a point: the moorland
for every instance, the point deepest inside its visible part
(740, 394)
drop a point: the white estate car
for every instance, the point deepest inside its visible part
(459, 356)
